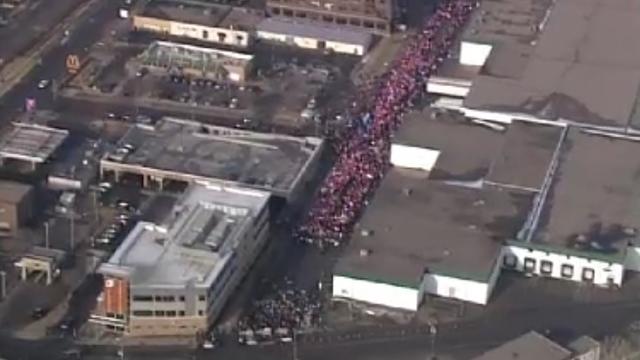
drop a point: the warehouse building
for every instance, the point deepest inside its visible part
(372, 16)
(309, 35)
(16, 206)
(209, 23)
(163, 57)
(528, 68)
(175, 150)
(534, 346)
(438, 223)
(173, 277)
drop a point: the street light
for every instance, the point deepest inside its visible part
(433, 330)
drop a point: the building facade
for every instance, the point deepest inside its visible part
(174, 278)
(375, 16)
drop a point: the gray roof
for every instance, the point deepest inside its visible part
(204, 152)
(594, 204)
(31, 142)
(314, 30)
(438, 228)
(194, 242)
(526, 155)
(572, 70)
(530, 346)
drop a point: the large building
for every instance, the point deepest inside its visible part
(545, 65)
(467, 199)
(183, 151)
(16, 206)
(534, 346)
(374, 16)
(209, 23)
(173, 277)
(314, 36)
(163, 57)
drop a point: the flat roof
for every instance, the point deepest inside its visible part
(466, 149)
(193, 243)
(593, 206)
(530, 346)
(12, 192)
(472, 150)
(550, 71)
(191, 151)
(527, 152)
(417, 225)
(201, 14)
(31, 142)
(308, 29)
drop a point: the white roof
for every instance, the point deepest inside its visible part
(314, 31)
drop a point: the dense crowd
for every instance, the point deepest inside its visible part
(288, 309)
(363, 150)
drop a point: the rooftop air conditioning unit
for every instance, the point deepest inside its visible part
(365, 252)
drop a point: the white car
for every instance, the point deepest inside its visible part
(43, 84)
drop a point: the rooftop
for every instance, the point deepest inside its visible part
(594, 204)
(527, 152)
(31, 142)
(191, 151)
(193, 243)
(546, 64)
(315, 31)
(169, 54)
(201, 14)
(472, 150)
(466, 228)
(530, 346)
(12, 192)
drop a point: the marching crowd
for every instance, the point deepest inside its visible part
(363, 150)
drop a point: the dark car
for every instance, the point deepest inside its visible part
(39, 312)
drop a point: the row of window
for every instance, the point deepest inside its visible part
(163, 313)
(546, 268)
(331, 19)
(157, 298)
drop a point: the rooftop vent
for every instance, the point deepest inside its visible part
(407, 191)
(160, 241)
(365, 252)
(366, 233)
(629, 231)
(478, 202)
(581, 238)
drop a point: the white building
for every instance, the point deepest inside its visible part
(173, 277)
(314, 36)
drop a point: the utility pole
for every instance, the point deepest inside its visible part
(295, 345)
(3, 285)
(433, 330)
(72, 239)
(46, 234)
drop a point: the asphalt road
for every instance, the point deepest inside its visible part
(52, 66)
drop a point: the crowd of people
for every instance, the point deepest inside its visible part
(363, 150)
(289, 309)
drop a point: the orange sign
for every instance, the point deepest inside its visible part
(73, 64)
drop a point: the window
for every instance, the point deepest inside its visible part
(546, 267)
(287, 12)
(509, 261)
(182, 298)
(222, 37)
(275, 11)
(160, 313)
(200, 313)
(327, 18)
(588, 274)
(205, 34)
(355, 22)
(201, 297)
(341, 21)
(529, 265)
(301, 14)
(181, 313)
(239, 39)
(381, 26)
(157, 298)
(566, 271)
(142, 313)
(171, 313)
(368, 24)
(142, 298)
